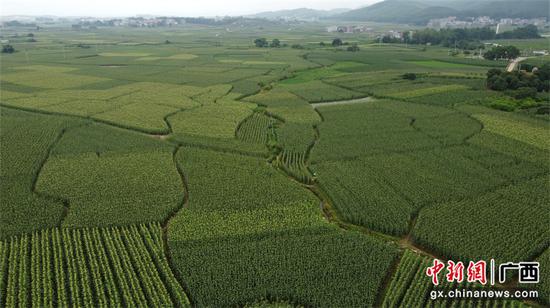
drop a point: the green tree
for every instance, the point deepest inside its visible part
(8, 48)
(524, 92)
(502, 52)
(275, 43)
(337, 42)
(261, 42)
(493, 72)
(409, 76)
(497, 83)
(353, 48)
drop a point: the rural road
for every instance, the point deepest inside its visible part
(512, 65)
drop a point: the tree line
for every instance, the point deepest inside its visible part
(538, 78)
(462, 38)
(275, 43)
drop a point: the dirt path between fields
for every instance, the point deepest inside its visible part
(512, 66)
(344, 102)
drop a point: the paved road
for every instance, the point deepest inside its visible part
(512, 66)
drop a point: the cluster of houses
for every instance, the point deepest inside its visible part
(146, 22)
(483, 21)
(349, 29)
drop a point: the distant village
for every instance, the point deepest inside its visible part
(451, 22)
(484, 21)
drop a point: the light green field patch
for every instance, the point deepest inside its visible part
(50, 80)
(218, 121)
(93, 41)
(297, 114)
(124, 54)
(213, 93)
(263, 63)
(428, 91)
(86, 94)
(322, 72)
(457, 75)
(174, 97)
(440, 64)
(142, 116)
(83, 107)
(528, 132)
(34, 102)
(136, 43)
(149, 59)
(4, 95)
(230, 61)
(46, 68)
(113, 189)
(182, 56)
(292, 216)
(319, 91)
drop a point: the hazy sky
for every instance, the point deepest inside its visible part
(164, 7)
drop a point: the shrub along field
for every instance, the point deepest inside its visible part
(185, 166)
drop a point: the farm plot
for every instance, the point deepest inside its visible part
(459, 229)
(9, 94)
(286, 105)
(433, 176)
(216, 121)
(123, 179)
(427, 91)
(353, 130)
(295, 141)
(211, 94)
(139, 106)
(534, 133)
(442, 65)
(205, 78)
(381, 182)
(361, 82)
(360, 198)
(383, 192)
(26, 139)
(454, 128)
(89, 268)
(318, 91)
(410, 287)
(270, 234)
(454, 97)
(29, 102)
(257, 128)
(520, 151)
(513, 168)
(145, 117)
(84, 107)
(50, 79)
(177, 96)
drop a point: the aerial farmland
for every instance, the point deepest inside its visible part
(253, 162)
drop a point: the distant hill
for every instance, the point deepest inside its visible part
(299, 14)
(512, 9)
(421, 11)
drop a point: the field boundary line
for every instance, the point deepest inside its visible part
(165, 224)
